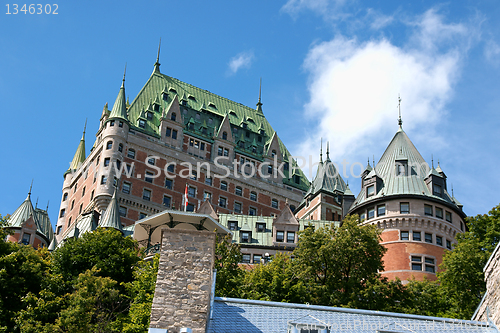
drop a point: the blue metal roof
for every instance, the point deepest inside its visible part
(249, 316)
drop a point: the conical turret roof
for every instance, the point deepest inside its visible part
(119, 110)
(111, 217)
(22, 213)
(79, 157)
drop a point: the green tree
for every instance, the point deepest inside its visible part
(340, 261)
(277, 280)
(462, 279)
(113, 255)
(229, 274)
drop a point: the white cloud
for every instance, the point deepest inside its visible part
(329, 9)
(378, 20)
(241, 60)
(492, 51)
(354, 87)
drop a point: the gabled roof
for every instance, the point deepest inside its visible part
(402, 149)
(286, 216)
(251, 316)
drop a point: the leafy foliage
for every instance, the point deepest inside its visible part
(229, 274)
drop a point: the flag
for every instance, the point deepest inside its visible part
(186, 198)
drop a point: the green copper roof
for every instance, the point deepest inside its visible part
(119, 110)
(111, 217)
(22, 213)
(79, 157)
(44, 225)
(203, 113)
(401, 149)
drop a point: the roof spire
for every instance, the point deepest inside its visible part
(124, 73)
(259, 103)
(31, 186)
(157, 63)
(36, 203)
(84, 129)
(452, 190)
(79, 157)
(328, 150)
(47, 209)
(321, 152)
(432, 160)
(373, 160)
(400, 121)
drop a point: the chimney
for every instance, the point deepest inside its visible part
(183, 287)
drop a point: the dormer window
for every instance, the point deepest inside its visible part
(212, 105)
(149, 115)
(224, 135)
(402, 168)
(156, 107)
(246, 236)
(172, 90)
(244, 125)
(173, 116)
(370, 190)
(184, 102)
(273, 153)
(233, 225)
(142, 123)
(437, 190)
(191, 97)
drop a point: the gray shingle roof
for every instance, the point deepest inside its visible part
(239, 315)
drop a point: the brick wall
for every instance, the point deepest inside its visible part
(183, 286)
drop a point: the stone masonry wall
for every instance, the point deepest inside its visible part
(492, 298)
(183, 285)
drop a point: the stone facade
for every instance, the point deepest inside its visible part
(184, 282)
(492, 298)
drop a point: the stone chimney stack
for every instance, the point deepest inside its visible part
(184, 282)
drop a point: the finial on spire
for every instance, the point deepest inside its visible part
(36, 203)
(157, 63)
(327, 150)
(321, 152)
(373, 159)
(259, 103)
(453, 195)
(31, 186)
(124, 72)
(432, 160)
(368, 160)
(47, 209)
(400, 121)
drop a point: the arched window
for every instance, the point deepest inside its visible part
(65, 196)
(109, 145)
(120, 147)
(173, 116)
(274, 203)
(224, 135)
(253, 196)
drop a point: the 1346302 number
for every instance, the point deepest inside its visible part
(32, 8)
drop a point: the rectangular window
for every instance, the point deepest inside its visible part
(417, 236)
(191, 142)
(269, 169)
(191, 192)
(167, 201)
(256, 258)
(439, 240)
(290, 237)
(261, 227)
(104, 179)
(208, 181)
(237, 207)
(448, 216)
(131, 153)
(448, 244)
(252, 211)
(168, 133)
(253, 196)
(245, 258)
(219, 151)
(439, 212)
(169, 183)
(280, 236)
(404, 208)
(381, 210)
(222, 202)
(122, 211)
(238, 191)
(245, 237)
(436, 189)
(171, 167)
(233, 225)
(370, 190)
(274, 203)
(428, 238)
(428, 210)
(142, 215)
(223, 185)
(371, 212)
(429, 265)
(362, 217)
(207, 196)
(405, 235)
(106, 161)
(202, 146)
(174, 134)
(26, 239)
(416, 263)
(148, 177)
(226, 152)
(190, 207)
(194, 175)
(146, 195)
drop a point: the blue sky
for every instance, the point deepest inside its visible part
(330, 69)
